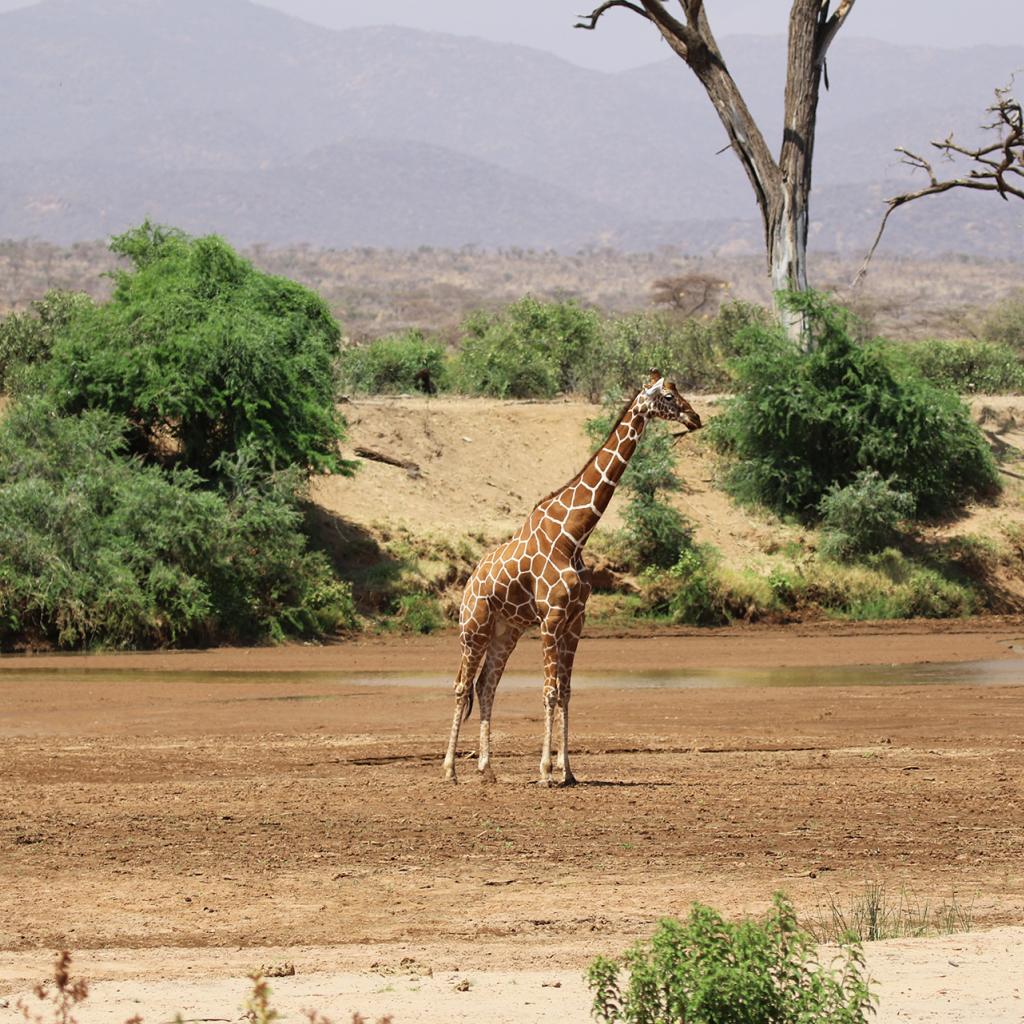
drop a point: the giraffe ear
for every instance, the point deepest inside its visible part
(655, 387)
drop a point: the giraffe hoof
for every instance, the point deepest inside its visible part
(545, 783)
(487, 775)
(451, 778)
(569, 780)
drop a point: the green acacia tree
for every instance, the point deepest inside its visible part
(204, 356)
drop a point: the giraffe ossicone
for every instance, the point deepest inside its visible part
(538, 577)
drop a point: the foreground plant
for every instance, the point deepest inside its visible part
(60, 995)
(705, 970)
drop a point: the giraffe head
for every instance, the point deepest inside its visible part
(662, 399)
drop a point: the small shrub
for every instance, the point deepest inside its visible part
(655, 533)
(419, 613)
(506, 367)
(863, 516)
(402, 363)
(26, 339)
(984, 367)
(803, 422)
(695, 353)
(1005, 322)
(694, 598)
(886, 585)
(530, 349)
(705, 970)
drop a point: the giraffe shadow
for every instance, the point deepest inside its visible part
(617, 783)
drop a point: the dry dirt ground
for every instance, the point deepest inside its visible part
(260, 807)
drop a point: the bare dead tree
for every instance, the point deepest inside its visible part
(781, 186)
(689, 294)
(997, 167)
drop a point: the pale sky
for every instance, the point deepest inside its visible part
(623, 40)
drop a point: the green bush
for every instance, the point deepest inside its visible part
(695, 599)
(885, 585)
(530, 349)
(401, 363)
(705, 970)
(203, 355)
(419, 613)
(802, 423)
(862, 517)
(655, 533)
(985, 367)
(100, 549)
(1005, 322)
(694, 353)
(26, 339)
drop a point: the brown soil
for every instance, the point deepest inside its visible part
(240, 810)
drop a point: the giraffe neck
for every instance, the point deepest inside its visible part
(588, 495)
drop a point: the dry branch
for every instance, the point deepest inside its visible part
(997, 166)
(373, 455)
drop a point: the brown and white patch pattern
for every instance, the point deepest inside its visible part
(538, 576)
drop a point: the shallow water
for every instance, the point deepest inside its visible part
(971, 673)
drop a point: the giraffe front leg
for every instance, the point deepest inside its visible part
(550, 645)
(550, 699)
(567, 654)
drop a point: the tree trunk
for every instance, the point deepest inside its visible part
(781, 187)
(786, 220)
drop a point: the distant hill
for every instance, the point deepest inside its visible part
(221, 115)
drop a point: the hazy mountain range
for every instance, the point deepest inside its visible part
(220, 115)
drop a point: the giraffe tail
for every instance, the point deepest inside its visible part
(469, 705)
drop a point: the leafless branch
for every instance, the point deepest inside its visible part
(831, 24)
(997, 166)
(595, 14)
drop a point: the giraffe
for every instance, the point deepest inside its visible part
(538, 576)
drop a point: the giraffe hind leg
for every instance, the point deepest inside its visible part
(474, 647)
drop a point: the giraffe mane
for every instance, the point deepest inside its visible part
(615, 426)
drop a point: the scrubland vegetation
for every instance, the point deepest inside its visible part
(155, 458)
(153, 464)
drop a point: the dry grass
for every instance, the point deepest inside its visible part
(377, 291)
(880, 913)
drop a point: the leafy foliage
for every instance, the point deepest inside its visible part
(203, 356)
(705, 970)
(802, 423)
(530, 349)
(697, 598)
(399, 363)
(100, 549)
(1005, 322)
(985, 367)
(695, 352)
(419, 613)
(26, 339)
(862, 517)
